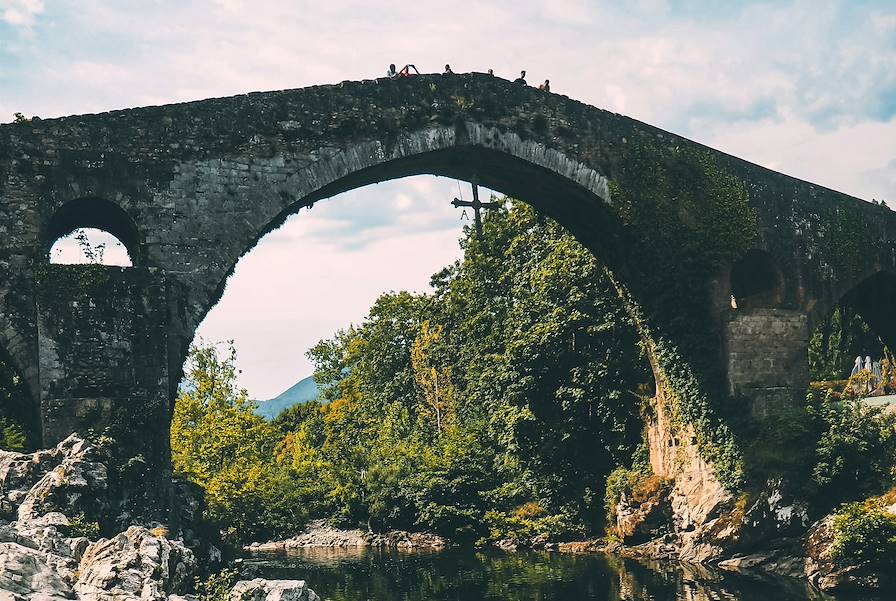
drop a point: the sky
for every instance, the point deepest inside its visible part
(803, 87)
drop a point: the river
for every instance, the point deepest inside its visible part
(471, 575)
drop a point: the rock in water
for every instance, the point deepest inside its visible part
(260, 589)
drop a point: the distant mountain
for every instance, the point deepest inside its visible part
(301, 392)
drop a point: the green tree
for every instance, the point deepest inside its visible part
(855, 452)
(493, 407)
(219, 443)
(511, 384)
(837, 341)
(434, 379)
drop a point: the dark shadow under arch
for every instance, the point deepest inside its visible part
(16, 402)
(875, 300)
(95, 213)
(861, 323)
(756, 281)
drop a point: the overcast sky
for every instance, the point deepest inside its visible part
(806, 87)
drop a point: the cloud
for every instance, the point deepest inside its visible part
(20, 13)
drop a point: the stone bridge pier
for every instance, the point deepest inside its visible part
(103, 336)
(765, 355)
(727, 266)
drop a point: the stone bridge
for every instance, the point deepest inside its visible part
(189, 188)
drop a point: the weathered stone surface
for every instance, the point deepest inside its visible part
(43, 490)
(134, 563)
(639, 520)
(830, 575)
(774, 514)
(766, 352)
(697, 500)
(28, 573)
(75, 487)
(272, 590)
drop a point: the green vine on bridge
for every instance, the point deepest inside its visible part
(688, 402)
(693, 219)
(74, 279)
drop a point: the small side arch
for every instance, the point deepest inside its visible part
(756, 281)
(95, 213)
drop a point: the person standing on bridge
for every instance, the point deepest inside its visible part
(521, 79)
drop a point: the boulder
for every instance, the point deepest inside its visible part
(260, 589)
(134, 564)
(773, 515)
(319, 533)
(27, 573)
(644, 513)
(37, 487)
(44, 495)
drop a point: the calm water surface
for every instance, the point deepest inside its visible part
(470, 575)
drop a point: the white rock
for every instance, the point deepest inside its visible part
(134, 563)
(260, 589)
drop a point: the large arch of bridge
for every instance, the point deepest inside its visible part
(572, 194)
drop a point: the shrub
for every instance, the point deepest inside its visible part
(635, 484)
(217, 586)
(80, 526)
(856, 451)
(12, 437)
(529, 529)
(865, 535)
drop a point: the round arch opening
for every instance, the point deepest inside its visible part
(756, 281)
(92, 230)
(851, 348)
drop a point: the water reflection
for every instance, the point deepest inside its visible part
(468, 575)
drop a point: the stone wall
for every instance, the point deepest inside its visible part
(103, 360)
(766, 356)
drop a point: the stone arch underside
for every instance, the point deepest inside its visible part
(571, 193)
(873, 297)
(99, 213)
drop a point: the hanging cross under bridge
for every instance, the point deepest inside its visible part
(476, 205)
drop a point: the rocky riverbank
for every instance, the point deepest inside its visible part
(320, 534)
(767, 532)
(51, 548)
